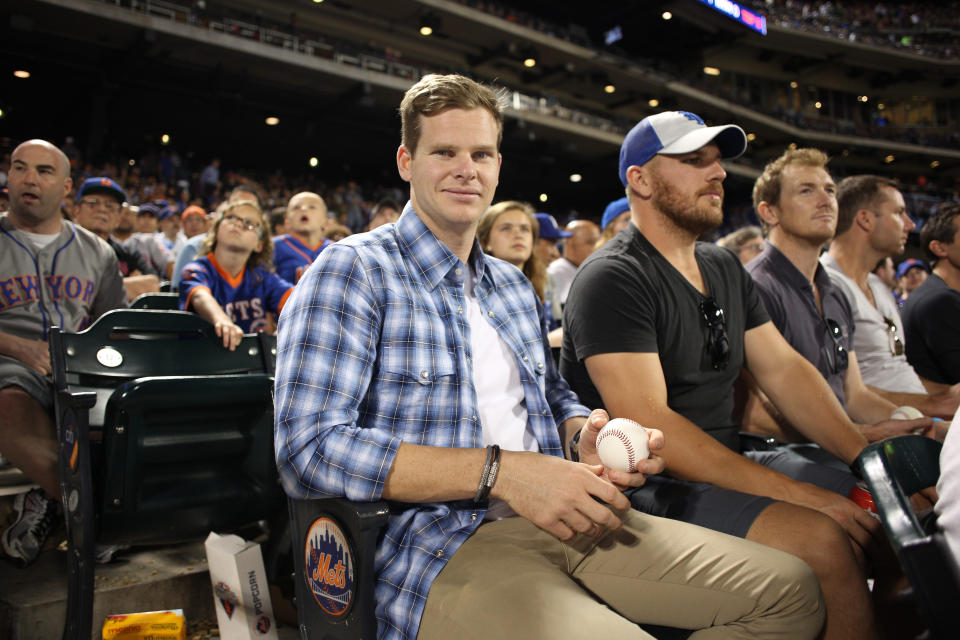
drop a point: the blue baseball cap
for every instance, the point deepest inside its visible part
(549, 228)
(910, 263)
(675, 132)
(101, 185)
(613, 210)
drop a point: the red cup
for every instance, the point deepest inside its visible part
(864, 499)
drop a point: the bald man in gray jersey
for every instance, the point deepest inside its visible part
(52, 272)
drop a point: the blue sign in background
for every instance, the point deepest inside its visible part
(746, 17)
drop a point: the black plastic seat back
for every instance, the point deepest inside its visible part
(894, 469)
(186, 437)
(164, 301)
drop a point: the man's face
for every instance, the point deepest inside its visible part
(953, 247)
(384, 215)
(808, 204)
(37, 182)
(194, 225)
(580, 245)
(688, 188)
(546, 250)
(913, 278)
(169, 225)
(455, 170)
(306, 215)
(893, 225)
(146, 223)
(127, 221)
(98, 212)
(887, 272)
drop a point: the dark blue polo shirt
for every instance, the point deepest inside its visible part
(788, 298)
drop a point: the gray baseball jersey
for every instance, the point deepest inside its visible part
(69, 283)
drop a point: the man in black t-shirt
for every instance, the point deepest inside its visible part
(931, 314)
(656, 328)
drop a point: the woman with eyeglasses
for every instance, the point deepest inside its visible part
(232, 285)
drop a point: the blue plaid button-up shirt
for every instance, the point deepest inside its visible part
(374, 350)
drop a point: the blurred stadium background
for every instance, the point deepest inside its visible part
(165, 85)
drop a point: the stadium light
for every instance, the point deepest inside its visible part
(751, 137)
(165, 138)
(543, 197)
(666, 15)
(653, 102)
(609, 87)
(711, 71)
(890, 158)
(23, 74)
(934, 164)
(272, 121)
(575, 177)
(314, 161)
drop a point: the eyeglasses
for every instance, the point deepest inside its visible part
(840, 358)
(719, 346)
(249, 225)
(893, 336)
(109, 205)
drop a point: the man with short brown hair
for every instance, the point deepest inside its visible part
(872, 222)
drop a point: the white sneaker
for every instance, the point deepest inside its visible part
(34, 516)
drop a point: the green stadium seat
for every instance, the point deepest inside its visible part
(894, 469)
(164, 436)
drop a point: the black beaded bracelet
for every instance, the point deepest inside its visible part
(489, 475)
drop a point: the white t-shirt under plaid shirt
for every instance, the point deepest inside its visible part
(374, 350)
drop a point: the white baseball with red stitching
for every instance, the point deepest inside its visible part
(622, 443)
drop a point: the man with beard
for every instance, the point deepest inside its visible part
(872, 223)
(656, 329)
(796, 200)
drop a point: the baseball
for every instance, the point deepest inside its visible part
(905, 412)
(621, 444)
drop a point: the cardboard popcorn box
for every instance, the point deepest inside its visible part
(155, 625)
(241, 595)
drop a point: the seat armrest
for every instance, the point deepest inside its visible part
(334, 544)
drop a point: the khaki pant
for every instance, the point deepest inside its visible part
(513, 580)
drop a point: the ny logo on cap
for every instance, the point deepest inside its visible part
(105, 182)
(691, 116)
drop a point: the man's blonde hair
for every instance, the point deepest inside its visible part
(434, 94)
(768, 185)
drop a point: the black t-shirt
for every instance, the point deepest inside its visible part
(130, 260)
(931, 327)
(627, 298)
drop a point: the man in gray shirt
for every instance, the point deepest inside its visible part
(52, 272)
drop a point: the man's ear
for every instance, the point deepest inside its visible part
(404, 158)
(638, 179)
(865, 219)
(768, 213)
(937, 248)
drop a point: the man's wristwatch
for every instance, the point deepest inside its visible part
(575, 446)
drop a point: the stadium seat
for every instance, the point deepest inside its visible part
(333, 550)
(168, 301)
(894, 469)
(164, 436)
(334, 541)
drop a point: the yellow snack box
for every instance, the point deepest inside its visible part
(149, 625)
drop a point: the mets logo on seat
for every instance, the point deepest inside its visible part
(329, 567)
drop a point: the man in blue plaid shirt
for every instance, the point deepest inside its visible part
(406, 356)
